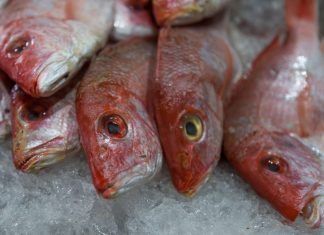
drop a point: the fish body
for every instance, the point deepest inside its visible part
(183, 12)
(113, 107)
(275, 115)
(44, 130)
(131, 22)
(4, 107)
(195, 66)
(44, 43)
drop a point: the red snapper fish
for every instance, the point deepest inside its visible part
(113, 108)
(4, 107)
(195, 66)
(44, 130)
(274, 119)
(43, 44)
(182, 12)
(131, 22)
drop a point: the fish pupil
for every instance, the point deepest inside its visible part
(18, 49)
(33, 115)
(113, 128)
(273, 166)
(191, 129)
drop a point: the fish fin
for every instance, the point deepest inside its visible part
(237, 82)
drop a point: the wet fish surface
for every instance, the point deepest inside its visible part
(274, 120)
(114, 114)
(43, 44)
(195, 66)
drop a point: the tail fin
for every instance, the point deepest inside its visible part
(301, 10)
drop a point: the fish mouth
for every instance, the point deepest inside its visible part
(37, 161)
(313, 212)
(195, 187)
(131, 178)
(55, 75)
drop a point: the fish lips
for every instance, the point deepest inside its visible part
(313, 211)
(43, 155)
(126, 180)
(54, 75)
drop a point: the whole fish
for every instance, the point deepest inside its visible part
(182, 12)
(4, 107)
(195, 66)
(131, 22)
(113, 112)
(44, 130)
(274, 120)
(44, 43)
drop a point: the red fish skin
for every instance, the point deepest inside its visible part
(117, 83)
(43, 44)
(192, 75)
(183, 12)
(44, 130)
(274, 109)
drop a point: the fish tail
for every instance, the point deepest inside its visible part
(296, 10)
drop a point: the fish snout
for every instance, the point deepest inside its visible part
(313, 212)
(42, 155)
(134, 176)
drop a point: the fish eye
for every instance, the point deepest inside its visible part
(274, 163)
(19, 45)
(192, 127)
(34, 112)
(114, 126)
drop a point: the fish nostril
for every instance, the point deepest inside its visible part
(66, 75)
(142, 156)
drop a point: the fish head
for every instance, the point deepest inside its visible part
(122, 143)
(44, 129)
(42, 54)
(285, 172)
(190, 126)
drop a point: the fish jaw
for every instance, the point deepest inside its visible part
(127, 180)
(172, 12)
(53, 51)
(313, 212)
(43, 155)
(293, 185)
